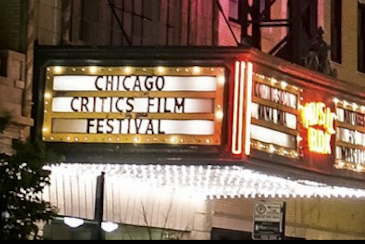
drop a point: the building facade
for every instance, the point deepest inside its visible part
(151, 23)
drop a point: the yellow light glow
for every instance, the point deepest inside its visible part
(93, 70)
(128, 70)
(272, 149)
(317, 114)
(359, 168)
(284, 85)
(336, 101)
(221, 80)
(173, 140)
(273, 81)
(45, 129)
(219, 115)
(58, 70)
(47, 95)
(197, 70)
(161, 70)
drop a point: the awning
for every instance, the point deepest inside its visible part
(209, 182)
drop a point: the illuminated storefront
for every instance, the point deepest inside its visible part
(197, 123)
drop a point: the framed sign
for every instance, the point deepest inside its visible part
(350, 151)
(138, 105)
(275, 116)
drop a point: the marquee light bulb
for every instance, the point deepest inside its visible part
(128, 70)
(221, 80)
(197, 70)
(219, 115)
(58, 69)
(161, 70)
(93, 70)
(284, 84)
(47, 95)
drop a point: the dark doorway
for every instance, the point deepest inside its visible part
(230, 235)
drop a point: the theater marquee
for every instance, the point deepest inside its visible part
(139, 105)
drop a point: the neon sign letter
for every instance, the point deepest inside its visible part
(317, 114)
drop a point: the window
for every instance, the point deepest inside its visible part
(361, 44)
(336, 31)
(235, 5)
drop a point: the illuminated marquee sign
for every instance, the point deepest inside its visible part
(350, 153)
(316, 115)
(178, 105)
(274, 116)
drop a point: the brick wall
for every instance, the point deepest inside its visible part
(12, 84)
(49, 19)
(348, 70)
(12, 25)
(311, 219)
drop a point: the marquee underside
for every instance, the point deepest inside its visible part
(208, 182)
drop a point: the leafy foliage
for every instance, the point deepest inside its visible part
(22, 179)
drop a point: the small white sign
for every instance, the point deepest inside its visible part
(268, 221)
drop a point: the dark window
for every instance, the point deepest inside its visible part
(336, 30)
(234, 9)
(88, 18)
(361, 46)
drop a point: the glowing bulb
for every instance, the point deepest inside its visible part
(284, 84)
(45, 129)
(128, 70)
(219, 115)
(197, 70)
(47, 95)
(221, 80)
(173, 140)
(58, 70)
(160, 70)
(93, 70)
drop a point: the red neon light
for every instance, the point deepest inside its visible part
(238, 110)
(248, 108)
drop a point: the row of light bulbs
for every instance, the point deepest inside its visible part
(274, 82)
(355, 107)
(58, 70)
(170, 140)
(210, 182)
